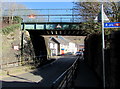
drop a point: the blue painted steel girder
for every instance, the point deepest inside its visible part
(51, 26)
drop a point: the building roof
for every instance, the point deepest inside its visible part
(59, 40)
(66, 39)
(54, 39)
(76, 39)
(62, 41)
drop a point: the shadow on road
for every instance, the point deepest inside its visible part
(19, 77)
(42, 77)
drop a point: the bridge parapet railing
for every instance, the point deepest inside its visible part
(44, 15)
(65, 80)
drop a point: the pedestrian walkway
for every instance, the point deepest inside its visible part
(22, 69)
(86, 78)
(42, 77)
(15, 70)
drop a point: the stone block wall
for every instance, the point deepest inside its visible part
(93, 56)
(115, 59)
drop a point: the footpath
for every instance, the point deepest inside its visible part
(15, 70)
(21, 69)
(86, 78)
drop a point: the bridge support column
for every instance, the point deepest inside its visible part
(39, 47)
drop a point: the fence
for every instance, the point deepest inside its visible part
(25, 60)
(65, 80)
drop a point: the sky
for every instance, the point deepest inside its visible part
(50, 5)
(58, 0)
(39, 0)
(47, 5)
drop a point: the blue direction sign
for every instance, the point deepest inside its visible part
(112, 25)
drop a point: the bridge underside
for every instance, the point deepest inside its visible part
(59, 32)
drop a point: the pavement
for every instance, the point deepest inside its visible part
(86, 78)
(42, 77)
(20, 69)
(15, 71)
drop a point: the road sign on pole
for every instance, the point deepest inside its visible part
(103, 45)
(99, 18)
(112, 25)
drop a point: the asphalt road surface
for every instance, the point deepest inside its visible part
(42, 77)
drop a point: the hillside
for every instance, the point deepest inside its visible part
(8, 42)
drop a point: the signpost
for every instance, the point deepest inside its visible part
(112, 25)
(101, 18)
(105, 25)
(103, 45)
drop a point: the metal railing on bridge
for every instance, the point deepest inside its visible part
(46, 15)
(65, 80)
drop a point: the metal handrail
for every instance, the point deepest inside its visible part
(66, 78)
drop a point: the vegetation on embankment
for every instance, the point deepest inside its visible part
(10, 28)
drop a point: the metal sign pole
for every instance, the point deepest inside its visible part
(103, 45)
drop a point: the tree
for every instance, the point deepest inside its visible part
(89, 10)
(8, 10)
(17, 19)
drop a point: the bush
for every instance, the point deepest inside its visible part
(17, 19)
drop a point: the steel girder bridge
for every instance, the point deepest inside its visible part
(52, 21)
